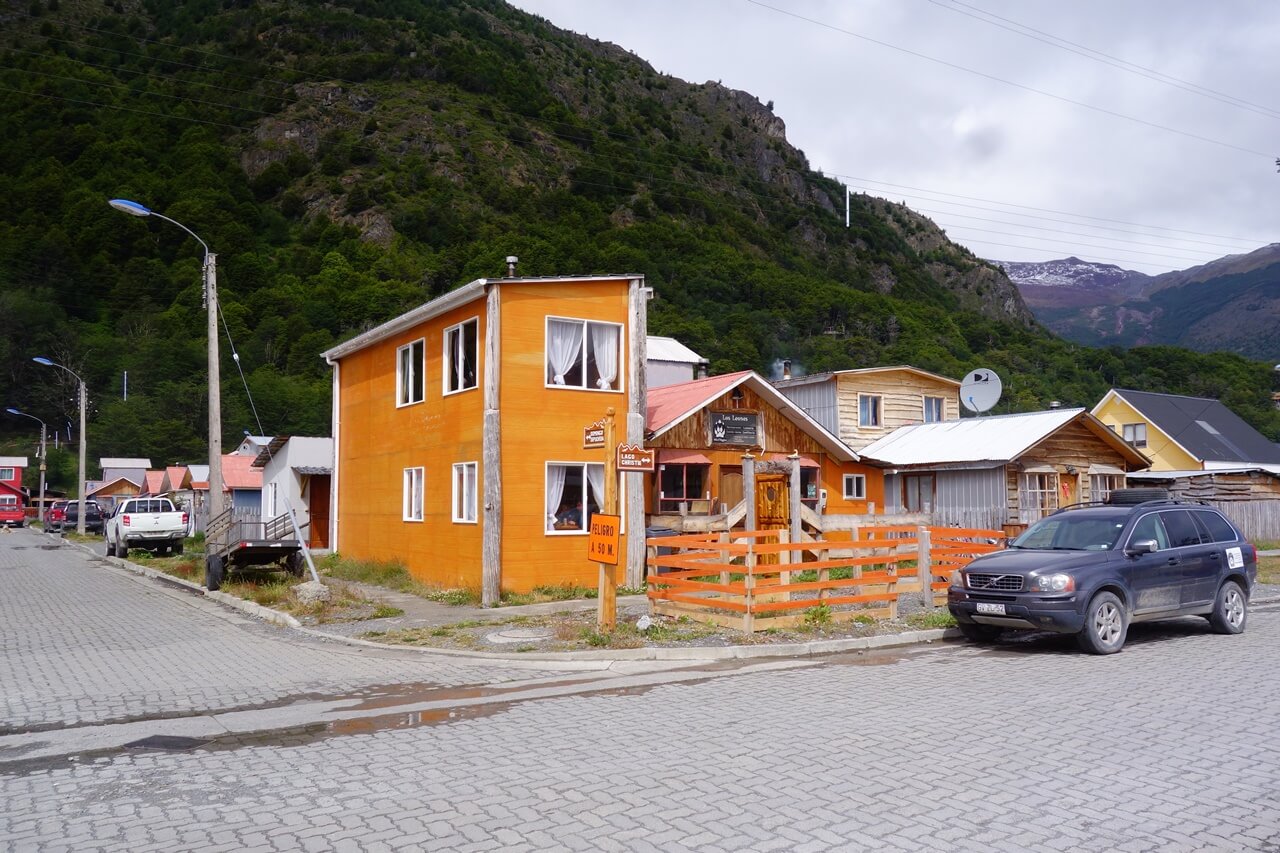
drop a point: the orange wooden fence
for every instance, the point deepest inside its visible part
(757, 579)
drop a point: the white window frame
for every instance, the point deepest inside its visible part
(1131, 432)
(464, 492)
(1046, 494)
(586, 493)
(415, 486)
(858, 492)
(272, 489)
(879, 411)
(941, 406)
(8, 500)
(447, 373)
(586, 329)
(1101, 485)
(8, 474)
(401, 361)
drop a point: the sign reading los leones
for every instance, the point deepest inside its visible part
(604, 538)
(593, 435)
(633, 457)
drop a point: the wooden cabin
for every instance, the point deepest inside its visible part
(1002, 471)
(704, 429)
(862, 406)
(458, 431)
(1248, 495)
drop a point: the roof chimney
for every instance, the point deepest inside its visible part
(786, 368)
(700, 371)
(512, 260)
(1055, 404)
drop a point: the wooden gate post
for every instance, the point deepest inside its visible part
(793, 508)
(924, 565)
(749, 489)
(607, 597)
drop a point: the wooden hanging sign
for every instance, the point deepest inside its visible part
(593, 435)
(633, 457)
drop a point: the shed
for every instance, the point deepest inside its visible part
(297, 473)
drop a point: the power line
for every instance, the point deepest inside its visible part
(1103, 58)
(1023, 86)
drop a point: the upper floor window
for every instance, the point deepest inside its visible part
(932, 410)
(869, 410)
(583, 354)
(6, 474)
(413, 485)
(855, 487)
(464, 492)
(461, 355)
(1136, 434)
(410, 367)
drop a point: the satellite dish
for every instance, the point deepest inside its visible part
(980, 390)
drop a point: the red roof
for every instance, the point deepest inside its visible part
(154, 483)
(671, 403)
(176, 475)
(238, 473)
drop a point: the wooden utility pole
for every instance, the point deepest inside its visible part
(607, 598)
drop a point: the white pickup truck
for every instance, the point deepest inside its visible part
(150, 523)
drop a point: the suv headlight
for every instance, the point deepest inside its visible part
(957, 578)
(1053, 583)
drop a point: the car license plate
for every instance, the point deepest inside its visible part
(993, 609)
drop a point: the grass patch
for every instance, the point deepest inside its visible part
(393, 575)
(541, 594)
(1267, 544)
(935, 618)
(1269, 570)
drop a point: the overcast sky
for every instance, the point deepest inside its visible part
(903, 118)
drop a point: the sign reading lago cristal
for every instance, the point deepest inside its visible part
(633, 457)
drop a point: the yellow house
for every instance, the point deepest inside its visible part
(862, 406)
(458, 431)
(1184, 433)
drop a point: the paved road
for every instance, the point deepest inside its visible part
(1171, 745)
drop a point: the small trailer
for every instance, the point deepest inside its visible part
(239, 538)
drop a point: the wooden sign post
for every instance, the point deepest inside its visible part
(607, 597)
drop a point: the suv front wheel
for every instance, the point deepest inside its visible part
(1105, 625)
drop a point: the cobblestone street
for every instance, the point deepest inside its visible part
(1029, 745)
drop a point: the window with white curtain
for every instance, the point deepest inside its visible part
(461, 355)
(410, 369)
(413, 483)
(575, 490)
(464, 492)
(583, 354)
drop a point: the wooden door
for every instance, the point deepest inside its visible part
(773, 508)
(1069, 488)
(318, 504)
(730, 486)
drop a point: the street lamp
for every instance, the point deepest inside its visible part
(43, 430)
(215, 399)
(84, 402)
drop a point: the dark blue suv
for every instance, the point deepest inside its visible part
(1092, 569)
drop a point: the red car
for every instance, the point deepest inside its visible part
(55, 516)
(12, 514)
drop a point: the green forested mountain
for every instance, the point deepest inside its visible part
(348, 160)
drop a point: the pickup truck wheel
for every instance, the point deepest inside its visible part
(212, 572)
(122, 549)
(1105, 625)
(177, 547)
(294, 564)
(1230, 610)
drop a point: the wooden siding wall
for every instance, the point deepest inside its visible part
(541, 424)
(377, 441)
(778, 434)
(1250, 500)
(1074, 445)
(902, 396)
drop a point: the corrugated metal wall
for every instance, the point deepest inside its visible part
(963, 498)
(661, 373)
(819, 400)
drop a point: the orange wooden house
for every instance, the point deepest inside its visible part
(458, 431)
(703, 430)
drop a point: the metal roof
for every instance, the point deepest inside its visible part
(1272, 470)
(119, 462)
(659, 348)
(671, 404)
(1202, 426)
(985, 441)
(860, 371)
(13, 462)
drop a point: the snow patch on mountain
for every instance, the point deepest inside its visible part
(1069, 272)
